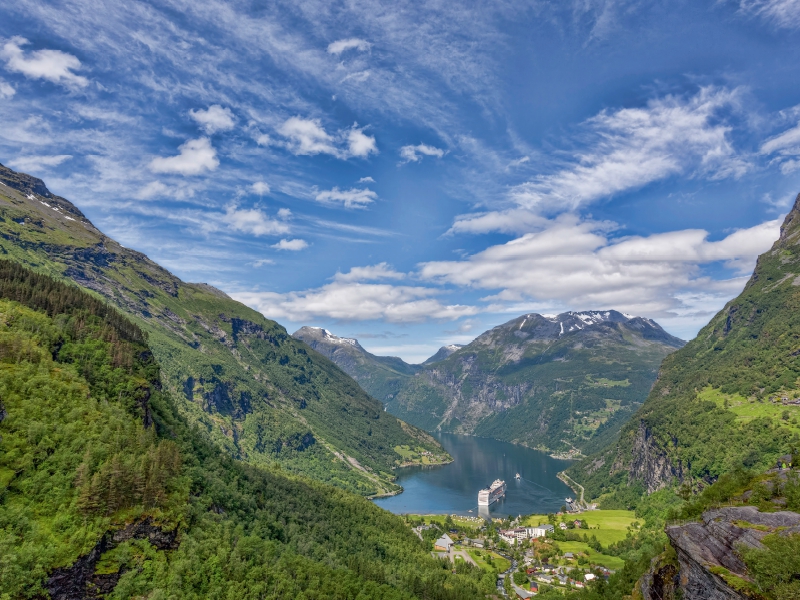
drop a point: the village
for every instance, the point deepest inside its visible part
(532, 553)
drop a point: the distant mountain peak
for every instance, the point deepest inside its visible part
(325, 335)
(443, 353)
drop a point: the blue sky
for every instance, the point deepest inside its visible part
(413, 174)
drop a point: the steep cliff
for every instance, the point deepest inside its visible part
(725, 399)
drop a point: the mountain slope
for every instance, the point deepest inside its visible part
(107, 491)
(380, 376)
(557, 382)
(250, 387)
(718, 403)
(443, 353)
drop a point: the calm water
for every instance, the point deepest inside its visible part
(453, 488)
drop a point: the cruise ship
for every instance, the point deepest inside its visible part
(490, 495)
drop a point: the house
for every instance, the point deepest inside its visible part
(590, 576)
(534, 587)
(562, 526)
(576, 583)
(522, 594)
(577, 523)
(443, 544)
(541, 530)
(545, 578)
(569, 555)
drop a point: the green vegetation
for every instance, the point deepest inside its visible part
(90, 447)
(775, 569)
(550, 391)
(717, 404)
(248, 386)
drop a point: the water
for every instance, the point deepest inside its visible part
(453, 488)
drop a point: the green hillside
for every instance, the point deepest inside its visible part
(252, 389)
(562, 383)
(106, 490)
(719, 402)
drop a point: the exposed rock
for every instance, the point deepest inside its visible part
(650, 464)
(79, 581)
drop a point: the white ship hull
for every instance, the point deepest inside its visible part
(492, 494)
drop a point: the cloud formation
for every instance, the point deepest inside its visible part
(370, 273)
(6, 90)
(196, 156)
(628, 148)
(52, 65)
(781, 13)
(260, 188)
(340, 46)
(353, 301)
(415, 153)
(214, 118)
(786, 146)
(577, 263)
(33, 163)
(296, 244)
(253, 221)
(352, 198)
(308, 137)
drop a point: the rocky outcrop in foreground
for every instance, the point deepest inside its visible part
(708, 563)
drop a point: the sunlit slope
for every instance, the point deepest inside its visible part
(107, 491)
(557, 382)
(250, 387)
(718, 402)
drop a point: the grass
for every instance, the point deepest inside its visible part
(608, 526)
(747, 409)
(499, 563)
(595, 558)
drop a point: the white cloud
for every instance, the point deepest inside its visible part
(782, 13)
(360, 144)
(53, 65)
(631, 147)
(576, 263)
(260, 188)
(195, 157)
(352, 198)
(415, 153)
(340, 46)
(296, 244)
(263, 261)
(157, 190)
(214, 118)
(6, 90)
(284, 213)
(515, 220)
(370, 273)
(787, 147)
(308, 137)
(37, 163)
(252, 221)
(366, 180)
(351, 301)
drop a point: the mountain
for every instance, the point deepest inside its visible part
(252, 389)
(379, 376)
(726, 399)
(562, 383)
(443, 353)
(108, 490)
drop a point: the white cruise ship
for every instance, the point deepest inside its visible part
(490, 495)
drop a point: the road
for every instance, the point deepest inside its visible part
(507, 573)
(571, 482)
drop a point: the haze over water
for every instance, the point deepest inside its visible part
(453, 488)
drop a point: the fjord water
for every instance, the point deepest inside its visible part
(453, 488)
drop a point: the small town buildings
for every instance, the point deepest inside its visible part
(443, 544)
(569, 555)
(590, 576)
(562, 526)
(577, 523)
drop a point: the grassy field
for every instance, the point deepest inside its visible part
(499, 563)
(746, 409)
(608, 526)
(595, 558)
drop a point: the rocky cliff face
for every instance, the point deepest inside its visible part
(651, 464)
(708, 563)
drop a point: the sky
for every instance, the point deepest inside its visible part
(415, 173)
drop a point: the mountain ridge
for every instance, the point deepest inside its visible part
(256, 392)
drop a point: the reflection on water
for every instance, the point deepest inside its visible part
(453, 488)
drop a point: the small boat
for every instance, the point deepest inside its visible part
(517, 476)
